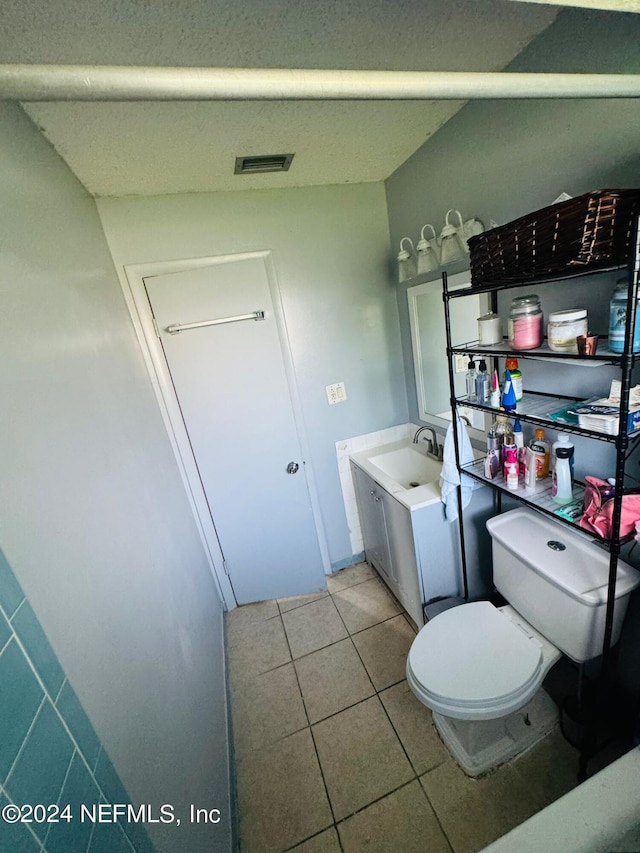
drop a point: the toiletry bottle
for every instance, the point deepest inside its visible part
(508, 401)
(540, 448)
(492, 459)
(494, 398)
(563, 440)
(530, 478)
(511, 469)
(511, 365)
(562, 476)
(471, 382)
(504, 432)
(509, 451)
(482, 384)
(518, 440)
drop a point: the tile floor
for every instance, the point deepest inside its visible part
(334, 753)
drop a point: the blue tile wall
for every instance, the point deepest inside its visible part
(49, 751)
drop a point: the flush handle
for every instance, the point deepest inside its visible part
(555, 545)
(292, 468)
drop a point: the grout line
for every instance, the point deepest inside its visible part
(26, 738)
(435, 811)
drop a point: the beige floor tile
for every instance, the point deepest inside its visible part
(365, 604)
(266, 708)
(349, 577)
(332, 679)
(361, 756)
(384, 650)
(403, 822)
(255, 648)
(249, 614)
(414, 726)
(474, 812)
(326, 842)
(313, 626)
(549, 770)
(281, 795)
(286, 604)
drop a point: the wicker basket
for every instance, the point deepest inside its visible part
(591, 231)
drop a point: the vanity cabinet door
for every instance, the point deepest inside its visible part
(369, 497)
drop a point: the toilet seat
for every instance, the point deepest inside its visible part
(478, 662)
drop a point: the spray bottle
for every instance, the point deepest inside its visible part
(508, 400)
(494, 400)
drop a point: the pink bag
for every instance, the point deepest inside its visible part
(598, 511)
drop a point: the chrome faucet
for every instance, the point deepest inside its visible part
(432, 445)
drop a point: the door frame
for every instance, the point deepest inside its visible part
(139, 308)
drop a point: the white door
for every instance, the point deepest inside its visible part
(233, 393)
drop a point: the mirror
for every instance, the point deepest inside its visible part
(428, 339)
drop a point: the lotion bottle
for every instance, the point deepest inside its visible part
(562, 476)
(540, 448)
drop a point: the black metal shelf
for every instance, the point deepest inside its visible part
(491, 287)
(540, 499)
(542, 353)
(534, 408)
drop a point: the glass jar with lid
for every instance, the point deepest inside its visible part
(564, 327)
(525, 322)
(618, 320)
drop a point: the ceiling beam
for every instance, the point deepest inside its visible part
(140, 83)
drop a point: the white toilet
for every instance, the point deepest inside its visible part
(480, 668)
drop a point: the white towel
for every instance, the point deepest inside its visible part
(449, 476)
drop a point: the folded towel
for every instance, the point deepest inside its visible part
(449, 476)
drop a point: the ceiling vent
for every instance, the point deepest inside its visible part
(263, 163)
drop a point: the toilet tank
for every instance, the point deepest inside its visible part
(557, 578)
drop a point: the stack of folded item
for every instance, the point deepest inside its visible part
(604, 415)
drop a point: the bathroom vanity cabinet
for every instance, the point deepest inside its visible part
(414, 551)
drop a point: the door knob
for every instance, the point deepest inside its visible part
(292, 467)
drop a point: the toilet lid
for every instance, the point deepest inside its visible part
(474, 656)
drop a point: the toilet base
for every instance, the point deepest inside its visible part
(481, 745)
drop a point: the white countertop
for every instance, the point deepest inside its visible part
(415, 498)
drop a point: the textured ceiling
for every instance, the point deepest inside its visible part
(157, 148)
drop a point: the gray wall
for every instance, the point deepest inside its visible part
(331, 251)
(501, 159)
(93, 515)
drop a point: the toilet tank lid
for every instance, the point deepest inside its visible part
(565, 557)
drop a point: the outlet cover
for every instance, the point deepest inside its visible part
(336, 393)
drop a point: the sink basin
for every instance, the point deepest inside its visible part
(407, 467)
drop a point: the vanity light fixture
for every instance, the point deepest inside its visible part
(259, 163)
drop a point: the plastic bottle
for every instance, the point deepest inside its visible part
(508, 400)
(503, 433)
(494, 399)
(509, 453)
(482, 384)
(518, 440)
(563, 483)
(563, 440)
(511, 469)
(511, 365)
(492, 459)
(618, 320)
(471, 382)
(540, 448)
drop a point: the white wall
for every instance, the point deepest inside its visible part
(93, 515)
(331, 251)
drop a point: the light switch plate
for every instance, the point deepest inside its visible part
(336, 393)
(461, 363)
